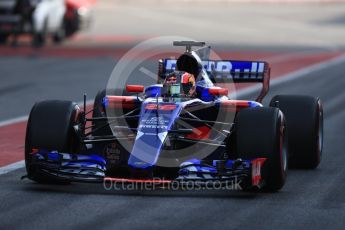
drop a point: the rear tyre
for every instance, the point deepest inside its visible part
(304, 118)
(260, 132)
(50, 127)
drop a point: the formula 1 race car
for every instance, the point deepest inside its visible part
(180, 130)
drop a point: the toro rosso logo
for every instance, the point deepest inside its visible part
(154, 123)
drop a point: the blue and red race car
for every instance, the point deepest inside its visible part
(180, 130)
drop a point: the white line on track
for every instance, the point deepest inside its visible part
(12, 167)
(280, 80)
(13, 120)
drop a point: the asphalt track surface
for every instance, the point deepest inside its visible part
(309, 200)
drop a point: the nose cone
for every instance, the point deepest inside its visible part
(156, 119)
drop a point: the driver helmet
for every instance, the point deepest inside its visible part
(184, 79)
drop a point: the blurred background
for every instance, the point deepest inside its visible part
(279, 23)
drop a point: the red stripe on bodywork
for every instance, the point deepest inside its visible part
(218, 91)
(135, 88)
(118, 102)
(235, 103)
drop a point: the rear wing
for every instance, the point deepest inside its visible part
(228, 71)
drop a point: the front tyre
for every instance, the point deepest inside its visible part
(260, 133)
(50, 127)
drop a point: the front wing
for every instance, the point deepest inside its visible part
(92, 168)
